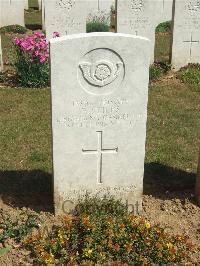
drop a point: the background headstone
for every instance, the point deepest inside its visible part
(12, 12)
(186, 33)
(141, 17)
(40, 4)
(99, 85)
(1, 56)
(166, 10)
(98, 6)
(65, 17)
(26, 4)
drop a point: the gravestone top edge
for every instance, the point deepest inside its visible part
(96, 34)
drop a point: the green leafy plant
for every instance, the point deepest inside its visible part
(2, 76)
(107, 238)
(17, 227)
(164, 27)
(190, 74)
(4, 250)
(158, 69)
(97, 24)
(14, 29)
(32, 64)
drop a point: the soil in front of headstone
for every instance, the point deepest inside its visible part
(177, 212)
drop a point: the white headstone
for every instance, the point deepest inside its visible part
(40, 4)
(43, 14)
(166, 10)
(26, 5)
(99, 85)
(1, 56)
(186, 34)
(141, 17)
(105, 5)
(65, 17)
(100, 6)
(12, 12)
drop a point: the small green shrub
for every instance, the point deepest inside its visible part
(158, 69)
(2, 77)
(98, 23)
(14, 29)
(190, 74)
(18, 226)
(97, 26)
(164, 27)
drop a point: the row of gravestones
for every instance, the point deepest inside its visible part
(99, 87)
(138, 17)
(99, 92)
(12, 13)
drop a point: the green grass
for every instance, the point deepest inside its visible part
(172, 135)
(25, 129)
(162, 47)
(173, 126)
(7, 46)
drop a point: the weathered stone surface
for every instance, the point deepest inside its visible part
(99, 85)
(186, 34)
(166, 10)
(65, 17)
(100, 6)
(135, 17)
(141, 17)
(12, 12)
(26, 5)
(40, 4)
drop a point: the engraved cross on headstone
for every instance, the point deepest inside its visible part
(99, 152)
(191, 41)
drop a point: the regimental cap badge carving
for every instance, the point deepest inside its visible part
(137, 5)
(100, 73)
(67, 4)
(193, 6)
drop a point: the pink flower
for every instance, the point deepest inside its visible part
(42, 59)
(38, 34)
(17, 41)
(35, 47)
(56, 34)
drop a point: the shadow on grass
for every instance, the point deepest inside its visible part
(34, 189)
(34, 26)
(165, 182)
(31, 189)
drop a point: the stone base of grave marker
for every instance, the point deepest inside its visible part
(99, 85)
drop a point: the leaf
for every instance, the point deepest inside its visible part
(4, 250)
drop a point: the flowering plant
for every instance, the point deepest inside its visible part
(97, 236)
(36, 47)
(32, 60)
